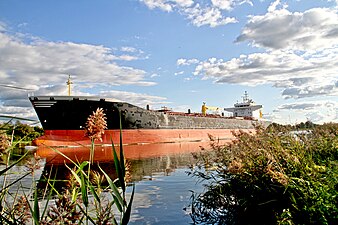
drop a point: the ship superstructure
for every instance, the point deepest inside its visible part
(246, 109)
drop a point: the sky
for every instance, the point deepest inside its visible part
(174, 53)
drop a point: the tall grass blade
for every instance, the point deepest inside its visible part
(126, 216)
(119, 170)
(121, 148)
(14, 182)
(34, 217)
(49, 196)
(114, 221)
(75, 175)
(36, 212)
(84, 190)
(17, 118)
(65, 156)
(92, 190)
(82, 184)
(74, 194)
(119, 203)
(86, 216)
(11, 166)
(82, 166)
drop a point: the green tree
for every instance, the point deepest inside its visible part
(22, 131)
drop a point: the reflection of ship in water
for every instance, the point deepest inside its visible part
(132, 152)
(144, 161)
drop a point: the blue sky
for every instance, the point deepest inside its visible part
(176, 53)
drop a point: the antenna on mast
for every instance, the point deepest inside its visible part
(245, 97)
(69, 82)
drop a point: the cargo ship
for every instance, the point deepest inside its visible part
(63, 119)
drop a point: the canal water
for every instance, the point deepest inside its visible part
(159, 171)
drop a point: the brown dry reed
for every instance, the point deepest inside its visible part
(96, 124)
(74, 205)
(275, 176)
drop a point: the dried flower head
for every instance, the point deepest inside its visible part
(21, 211)
(104, 213)
(4, 142)
(64, 212)
(96, 124)
(235, 166)
(34, 163)
(128, 175)
(97, 179)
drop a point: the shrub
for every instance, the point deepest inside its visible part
(275, 176)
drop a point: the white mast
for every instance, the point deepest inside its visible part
(69, 83)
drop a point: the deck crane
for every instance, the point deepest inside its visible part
(212, 108)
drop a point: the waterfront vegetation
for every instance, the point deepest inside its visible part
(277, 176)
(20, 132)
(91, 197)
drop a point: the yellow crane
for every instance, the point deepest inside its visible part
(205, 108)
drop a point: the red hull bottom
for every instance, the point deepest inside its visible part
(61, 138)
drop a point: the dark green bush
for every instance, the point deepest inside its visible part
(275, 176)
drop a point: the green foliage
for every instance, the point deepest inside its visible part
(87, 201)
(275, 176)
(22, 131)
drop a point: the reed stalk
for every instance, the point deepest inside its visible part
(277, 176)
(83, 203)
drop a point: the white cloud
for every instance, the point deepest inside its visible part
(200, 13)
(167, 5)
(47, 62)
(135, 98)
(21, 112)
(127, 57)
(315, 111)
(229, 5)
(281, 29)
(207, 16)
(184, 3)
(223, 4)
(161, 4)
(43, 67)
(273, 6)
(186, 62)
(299, 75)
(128, 49)
(301, 56)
